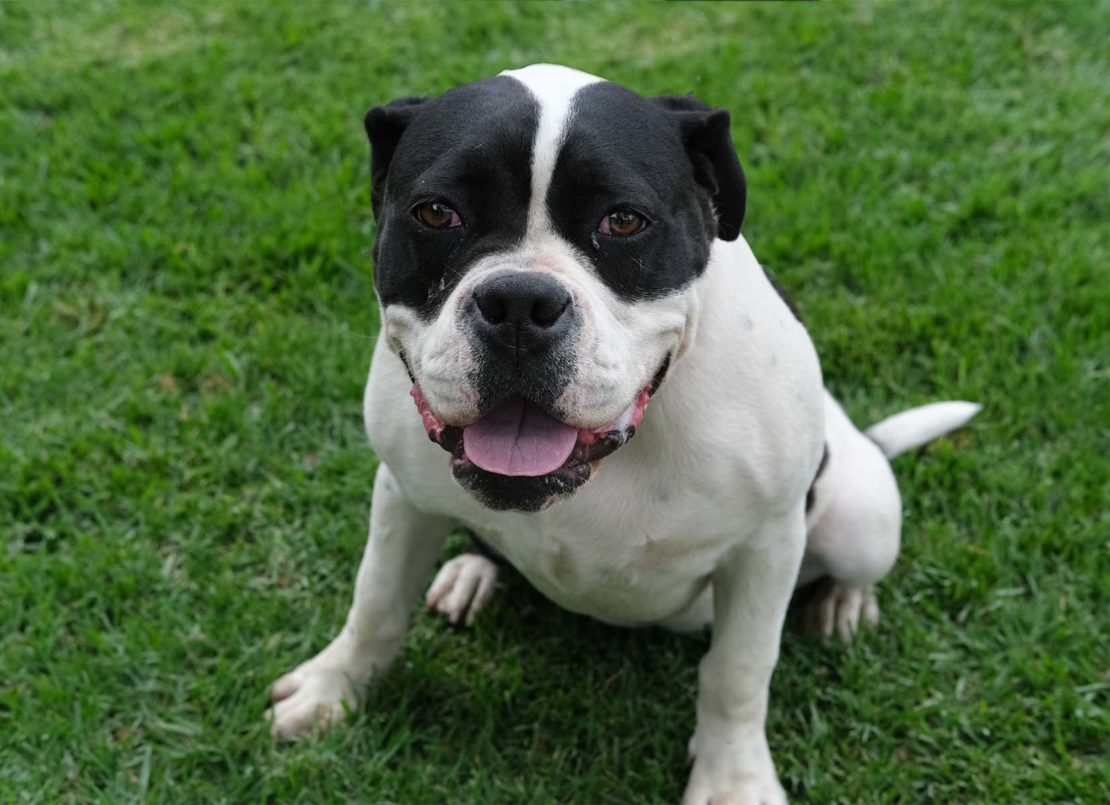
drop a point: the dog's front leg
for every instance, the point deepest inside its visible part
(403, 545)
(751, 591)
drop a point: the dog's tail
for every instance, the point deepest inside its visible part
(917, 426)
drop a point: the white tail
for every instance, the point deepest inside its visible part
(917, 426)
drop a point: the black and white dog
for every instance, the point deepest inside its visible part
(559, 266)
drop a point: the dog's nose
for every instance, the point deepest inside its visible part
(524, 312)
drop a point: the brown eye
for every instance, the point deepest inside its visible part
(437, 215)
(622, 223)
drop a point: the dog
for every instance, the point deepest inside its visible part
(610, 391)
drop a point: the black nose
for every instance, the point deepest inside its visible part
(525, 312)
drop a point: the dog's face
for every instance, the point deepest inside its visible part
(539, 235)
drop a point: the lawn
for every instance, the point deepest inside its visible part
(187, 315)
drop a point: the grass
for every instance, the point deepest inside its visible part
(186, 318)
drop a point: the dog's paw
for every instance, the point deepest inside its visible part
(737, 771)
(463, 587)
(317, 693)
(840, 608)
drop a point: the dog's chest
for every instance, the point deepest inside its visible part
(633, 563)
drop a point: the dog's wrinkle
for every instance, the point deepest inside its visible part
(408, 367)
(660, 374)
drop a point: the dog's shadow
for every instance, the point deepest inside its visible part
(536, 690)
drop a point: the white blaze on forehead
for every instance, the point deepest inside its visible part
(554, 88)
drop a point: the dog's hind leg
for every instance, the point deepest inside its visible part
(854, 534)
(850, 548)
(464, 586)
(854, 525)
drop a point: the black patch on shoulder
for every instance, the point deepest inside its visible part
(785, 297)
(811, 495)
(470, 147)
(623, 150)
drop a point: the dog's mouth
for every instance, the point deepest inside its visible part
(519, 456)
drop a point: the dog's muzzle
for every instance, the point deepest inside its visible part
(518, 456)
(522, 327)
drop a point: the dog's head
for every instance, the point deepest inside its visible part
(539, 233)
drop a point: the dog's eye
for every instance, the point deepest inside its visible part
(622, 222)
(437, 215)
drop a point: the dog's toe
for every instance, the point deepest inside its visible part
(285, 687)
(304, 714)
(310, 699)
(839, 609)
(463, 587)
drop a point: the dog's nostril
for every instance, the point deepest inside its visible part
(492, 307)
(548, 310)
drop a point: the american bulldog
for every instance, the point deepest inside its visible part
(583, 363)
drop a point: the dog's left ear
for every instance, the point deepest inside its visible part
(384, 126)
(705, 133)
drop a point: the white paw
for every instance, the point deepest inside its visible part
(463, 587)
(840, 608)
(736, 770)
(319, 692)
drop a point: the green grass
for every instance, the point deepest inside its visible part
(187, 314)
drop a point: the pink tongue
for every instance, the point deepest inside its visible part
(518, 438)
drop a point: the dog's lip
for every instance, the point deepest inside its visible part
(629, 419)
(592, 445)
(435, 424)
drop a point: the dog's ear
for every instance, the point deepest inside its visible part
(384, 126)
(705, 133)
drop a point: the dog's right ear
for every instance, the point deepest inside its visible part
(384, 126)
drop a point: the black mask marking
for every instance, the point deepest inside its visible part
(472, 148)
(670, 160)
